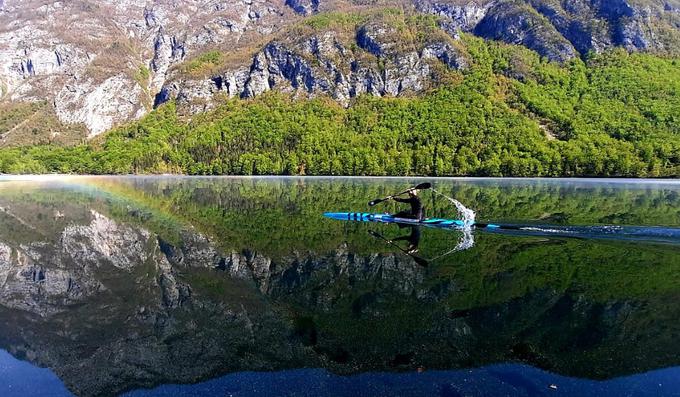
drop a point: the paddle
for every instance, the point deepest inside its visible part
(422, 186)
(419, 260)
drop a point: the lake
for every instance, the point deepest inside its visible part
(159, 286)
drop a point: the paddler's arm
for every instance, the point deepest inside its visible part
(401, 200)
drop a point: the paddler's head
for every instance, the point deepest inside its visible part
(413, 192)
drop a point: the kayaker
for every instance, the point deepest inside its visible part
(416, 211)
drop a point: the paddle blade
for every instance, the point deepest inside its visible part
(422, 262)
(424, 186)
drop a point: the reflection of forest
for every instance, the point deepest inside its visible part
(147, 282)
(250, 210)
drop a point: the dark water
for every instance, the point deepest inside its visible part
(238, 286)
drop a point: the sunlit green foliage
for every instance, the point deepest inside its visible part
(511, 114)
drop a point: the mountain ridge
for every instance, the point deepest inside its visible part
(135, 55)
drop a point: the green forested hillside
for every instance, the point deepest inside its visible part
(511, 114)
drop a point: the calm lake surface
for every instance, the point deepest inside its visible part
(165, 286)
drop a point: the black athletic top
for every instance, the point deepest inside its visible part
(416, 206)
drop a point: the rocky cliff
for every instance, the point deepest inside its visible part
(101, 63)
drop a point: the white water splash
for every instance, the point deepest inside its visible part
(466, 215)
(466, 241)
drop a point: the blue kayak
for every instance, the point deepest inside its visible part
(638, 233)
(387, 218)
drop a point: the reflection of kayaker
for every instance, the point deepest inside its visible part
(466, 242)
(413, 240)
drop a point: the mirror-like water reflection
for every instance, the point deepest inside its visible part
(117, 284)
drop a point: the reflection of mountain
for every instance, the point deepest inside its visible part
(117, 316)
(133, 309)
(110, 304)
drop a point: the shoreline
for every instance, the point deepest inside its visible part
(65, 177)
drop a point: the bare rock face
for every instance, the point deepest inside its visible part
(167, 51)
(276, 63)
(375, 38)
(577, 22)
(304, 7)
(513, 23)
(323, 64)
(598, 25)
(630, 24)
(555, 29)
(447, 54)
(99, 106)
(101, 63)
(457, 16)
